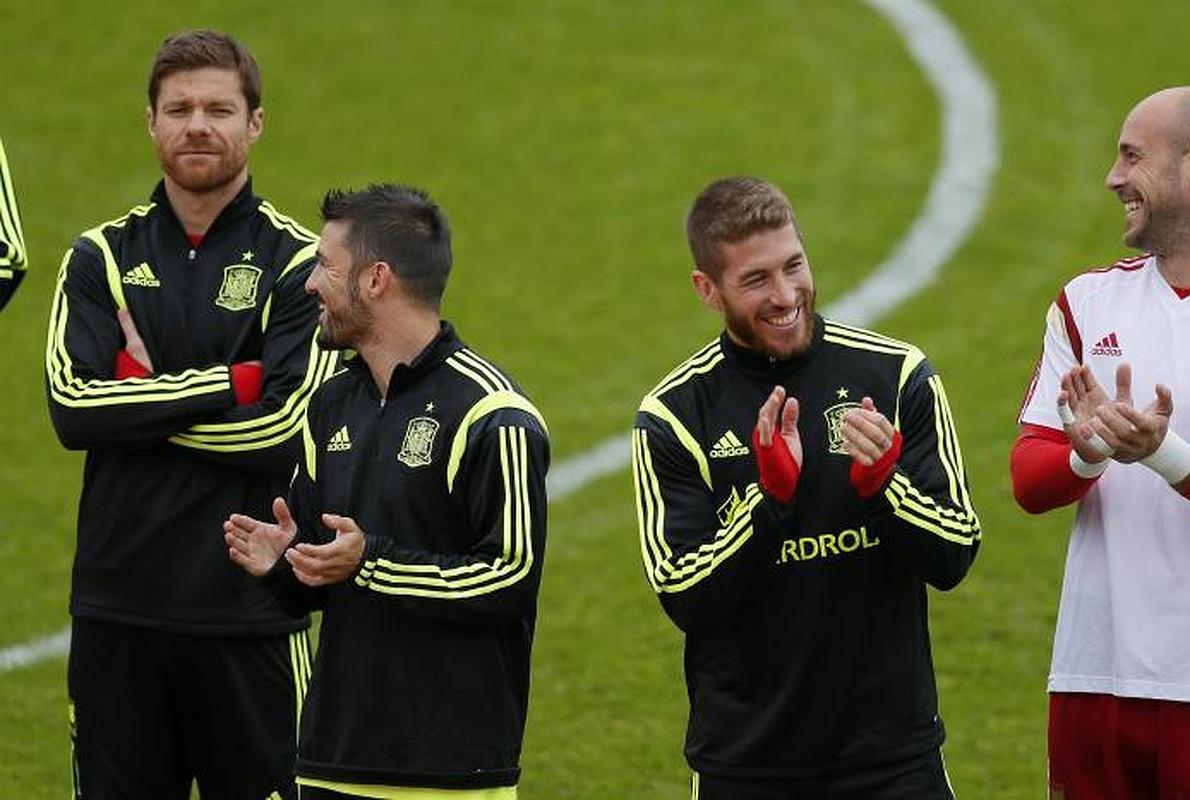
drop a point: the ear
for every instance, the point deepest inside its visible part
(149, 119)
(255, 125)
(707, 289)
(380, 278)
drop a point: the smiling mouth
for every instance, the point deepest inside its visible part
(785, 320)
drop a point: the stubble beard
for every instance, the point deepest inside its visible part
(1165, 233)
(347, 330)
(227, 168)
(743, 329)
(1164, 228)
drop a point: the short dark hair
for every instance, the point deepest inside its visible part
(400, 225)
(205, 48)
(730, 210)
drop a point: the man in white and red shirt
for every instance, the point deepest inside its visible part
(1120, 679)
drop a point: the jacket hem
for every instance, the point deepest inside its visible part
(265, 627)
(468, 779)
(823, 769)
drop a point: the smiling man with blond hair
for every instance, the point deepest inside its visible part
(798, 485)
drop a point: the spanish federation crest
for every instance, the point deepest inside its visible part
(419, 442)
(238, 291)
(834, 426)
(730, 508)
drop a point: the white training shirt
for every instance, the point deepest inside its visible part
(1124, 619)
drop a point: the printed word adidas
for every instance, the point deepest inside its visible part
(1108, 346)
(729, 445)
(339, 442)
(141, 275)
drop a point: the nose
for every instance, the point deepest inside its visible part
(1115, 176)
(785, 290)
(311, 282)
(198, 124)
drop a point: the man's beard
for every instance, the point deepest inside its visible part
(346, 330)
(225, 170)
(744, 330)
(1162, 232)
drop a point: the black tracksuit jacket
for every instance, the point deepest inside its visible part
(807, 647)
(171, 455)
(422, 673)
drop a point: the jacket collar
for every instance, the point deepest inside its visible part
(244, 203)
(766, 366)
(446, 343)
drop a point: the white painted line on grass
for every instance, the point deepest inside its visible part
(22, 655)
(566, 478)
(610, 455)
(958, 193)
(968, 162)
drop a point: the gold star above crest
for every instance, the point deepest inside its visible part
(429, 407)
(247, 255)
(842, 393)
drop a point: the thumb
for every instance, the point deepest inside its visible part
(340, 525)
(282, 515)
(789, 417)
(867, 405)
(1164, 404)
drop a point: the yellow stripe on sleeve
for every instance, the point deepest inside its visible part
(269, 429)
(651, 405)
(665, 573)
(476, 578)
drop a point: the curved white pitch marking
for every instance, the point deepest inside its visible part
(970, 156)
(958, 193)
(22, 655)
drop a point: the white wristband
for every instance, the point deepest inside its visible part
(1171, 459)
(1095, 440)
(1085, 470)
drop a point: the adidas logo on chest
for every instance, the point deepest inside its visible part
(1108, 346)
(141, 275)
(340, 441)
(729, 445)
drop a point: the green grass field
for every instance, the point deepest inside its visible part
(565, 141)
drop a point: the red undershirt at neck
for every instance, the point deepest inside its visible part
(196, 240)
(1182, 292)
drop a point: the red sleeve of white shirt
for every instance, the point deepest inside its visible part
(1042, 479)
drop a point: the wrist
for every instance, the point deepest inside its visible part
(870, 479)
(247, 379)
(779, 471)
(363, 551)
(1171, 459)
(1087, 469)
(128, 367)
